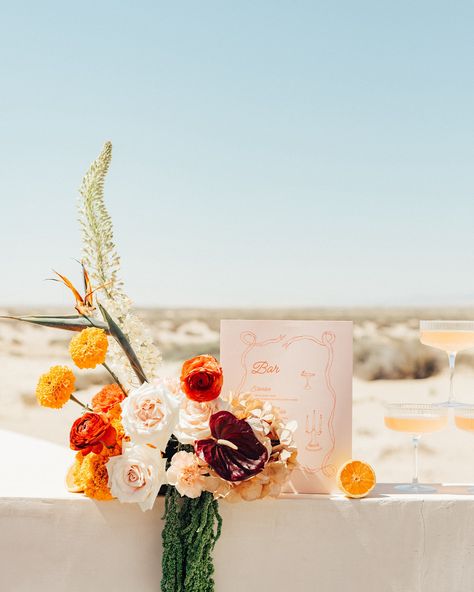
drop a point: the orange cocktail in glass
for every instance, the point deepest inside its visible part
(415, 419)
(464, 418)
(450, 337)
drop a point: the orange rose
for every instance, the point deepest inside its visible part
(107, 398)
(90, 432)
(201, 378)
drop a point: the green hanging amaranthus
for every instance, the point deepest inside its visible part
(191, 530)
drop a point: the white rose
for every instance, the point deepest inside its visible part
(193, 421)
(137, 475)
(150, 415)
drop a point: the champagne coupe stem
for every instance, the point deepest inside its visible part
(452, 362)
(416, 441)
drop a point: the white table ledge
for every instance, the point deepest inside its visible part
(384, 543)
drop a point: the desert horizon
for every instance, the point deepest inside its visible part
(390, 364)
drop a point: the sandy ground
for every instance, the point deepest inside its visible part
(447, 456)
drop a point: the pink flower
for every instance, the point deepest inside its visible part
(150, 414)
(193, 421)
(186, 474)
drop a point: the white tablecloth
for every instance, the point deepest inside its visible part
(57, 542)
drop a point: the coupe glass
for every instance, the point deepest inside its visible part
(451, 337)
(415, 419)
(464, 418)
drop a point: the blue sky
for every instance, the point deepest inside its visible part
(265, 153)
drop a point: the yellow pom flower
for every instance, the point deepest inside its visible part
(55, 388)
(89, 475)
(89, 348)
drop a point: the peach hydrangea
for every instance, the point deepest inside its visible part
(268, 483)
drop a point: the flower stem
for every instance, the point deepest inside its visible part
(73, 398)
(114, 376)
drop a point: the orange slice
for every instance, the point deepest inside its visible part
(356, 478)
(71, 482)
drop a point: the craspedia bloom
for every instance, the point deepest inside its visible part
(89, 475)
(55, 388)
(96, 478)
(89, 348)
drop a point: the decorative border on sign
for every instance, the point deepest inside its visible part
(327, 340)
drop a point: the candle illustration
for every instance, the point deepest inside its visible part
(313, 433)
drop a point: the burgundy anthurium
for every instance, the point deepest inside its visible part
(233, 452)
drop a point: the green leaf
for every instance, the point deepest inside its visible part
(68, 322)
(120, 338)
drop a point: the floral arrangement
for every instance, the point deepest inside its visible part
(140, 434)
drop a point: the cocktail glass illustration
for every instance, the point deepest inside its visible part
(308, 376)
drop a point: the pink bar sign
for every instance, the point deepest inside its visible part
(305, 369)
